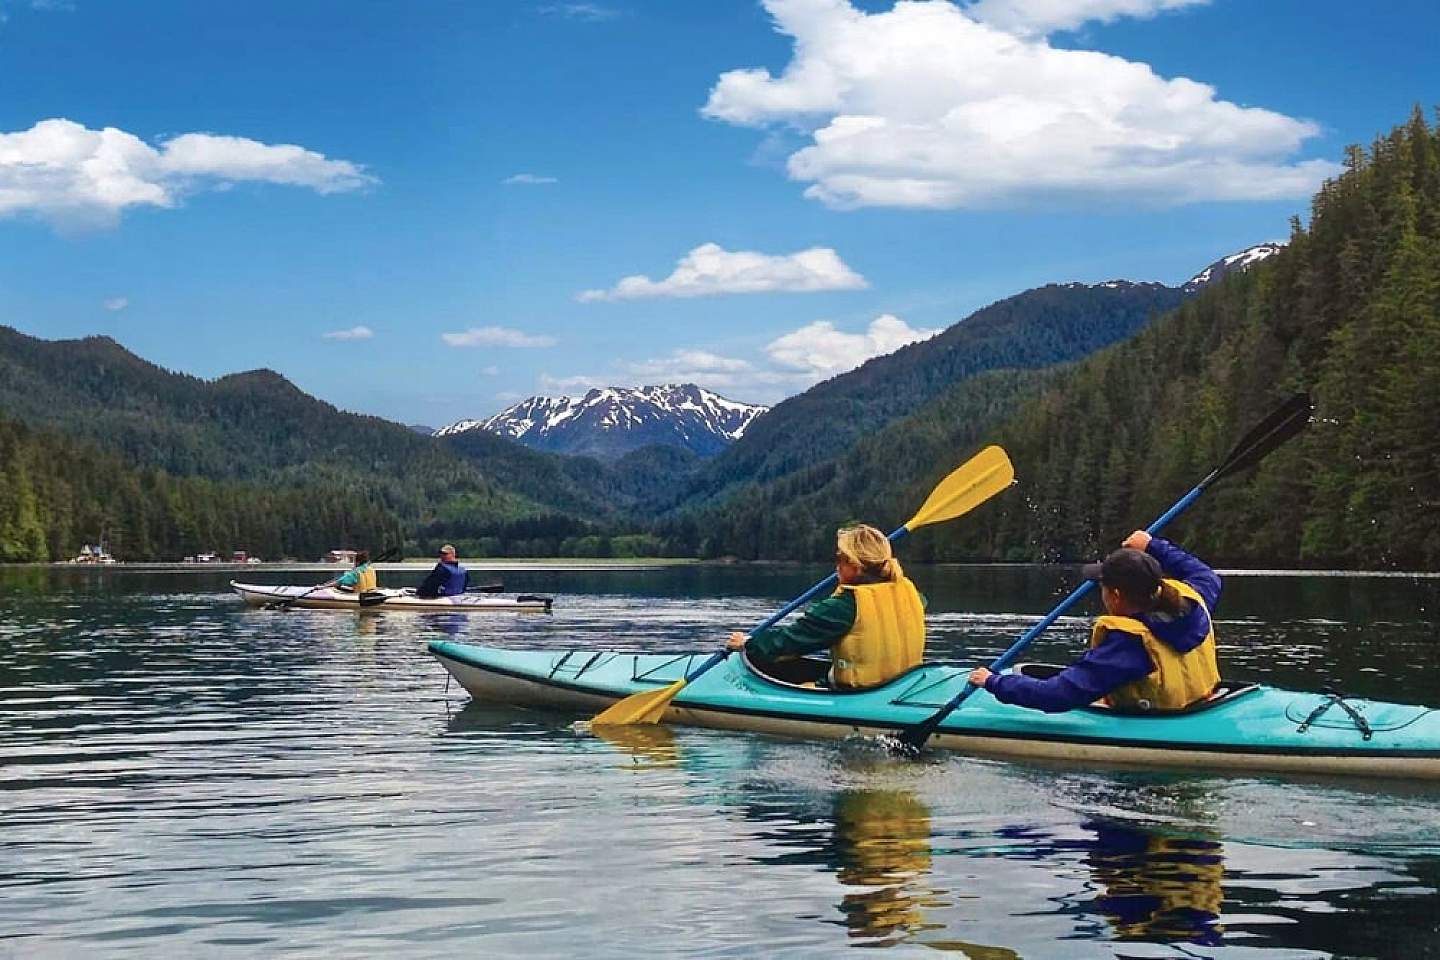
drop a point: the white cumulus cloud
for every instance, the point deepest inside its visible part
(528, 179)
(702, 367)
(788, 364)
(360, 332)
(710, 270)
(550, 385)
(115, 304)
(1039, 17)
(819, 350)
(927, 105)
(496, 337)
(66, 173)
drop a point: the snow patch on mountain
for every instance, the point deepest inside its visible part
(612, 421)
(1241, 261)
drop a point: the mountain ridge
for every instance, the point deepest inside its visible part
(611, 422)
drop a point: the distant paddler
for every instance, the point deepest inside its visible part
(873, 624)
(448, 579)
(359, 578)
(1154, 648)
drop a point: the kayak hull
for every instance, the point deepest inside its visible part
(1255, 730)
(256, 595)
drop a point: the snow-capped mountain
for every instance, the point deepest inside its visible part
(1241, 261)
(611, 422)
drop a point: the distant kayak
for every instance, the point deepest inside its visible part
(329, 598)
(1247, 727)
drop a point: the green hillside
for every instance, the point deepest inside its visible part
(1035, 329)
(255, 435)
(57, 493)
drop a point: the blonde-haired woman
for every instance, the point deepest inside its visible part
(874, 623)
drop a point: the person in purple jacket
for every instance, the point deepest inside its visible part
(1153, 649)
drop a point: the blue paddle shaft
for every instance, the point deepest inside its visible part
(1009, 656)
(785, 611)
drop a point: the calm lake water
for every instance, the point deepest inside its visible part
(180, 776)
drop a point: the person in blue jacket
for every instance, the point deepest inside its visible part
(448, 579)
(1153, 649)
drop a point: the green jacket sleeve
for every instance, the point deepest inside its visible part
(820, 627)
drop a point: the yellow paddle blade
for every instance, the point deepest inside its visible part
(647, 707)
(968, 485)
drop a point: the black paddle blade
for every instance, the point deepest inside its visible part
(910, 741)
(373, 598)
(1270, 433)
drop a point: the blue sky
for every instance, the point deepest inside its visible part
(792, 185)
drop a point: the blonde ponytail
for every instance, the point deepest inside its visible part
(869, 550)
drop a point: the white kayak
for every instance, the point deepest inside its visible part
(328, 598)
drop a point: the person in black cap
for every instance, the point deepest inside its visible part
(1153, 649)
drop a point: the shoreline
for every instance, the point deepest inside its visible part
(597, 564)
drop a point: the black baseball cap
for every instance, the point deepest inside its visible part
(1133, 572)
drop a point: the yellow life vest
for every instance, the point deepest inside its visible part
(1179, 679)
(887, 638)
(363, 582)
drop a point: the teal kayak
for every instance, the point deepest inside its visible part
(1251, 727)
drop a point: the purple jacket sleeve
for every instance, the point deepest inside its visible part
(1179, 565)
(1118, 660)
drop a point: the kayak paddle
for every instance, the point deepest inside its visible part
(969, 485)
(287, 601)
(1270, 433)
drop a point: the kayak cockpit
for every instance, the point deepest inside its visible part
(810, 675)
(802, 673)
(1228, 691)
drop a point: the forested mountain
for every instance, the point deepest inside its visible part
(1349, 310)
(581, 486)
(1035, 329)
(57, 493)
(246, 434)
(881, 479)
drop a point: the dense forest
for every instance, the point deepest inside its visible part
(57, 493)
(162, 465)
(1349, 311)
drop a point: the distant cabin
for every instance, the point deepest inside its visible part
(339, 556)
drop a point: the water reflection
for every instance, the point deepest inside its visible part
(648, 746)
(881, 846)
(1157, 888)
